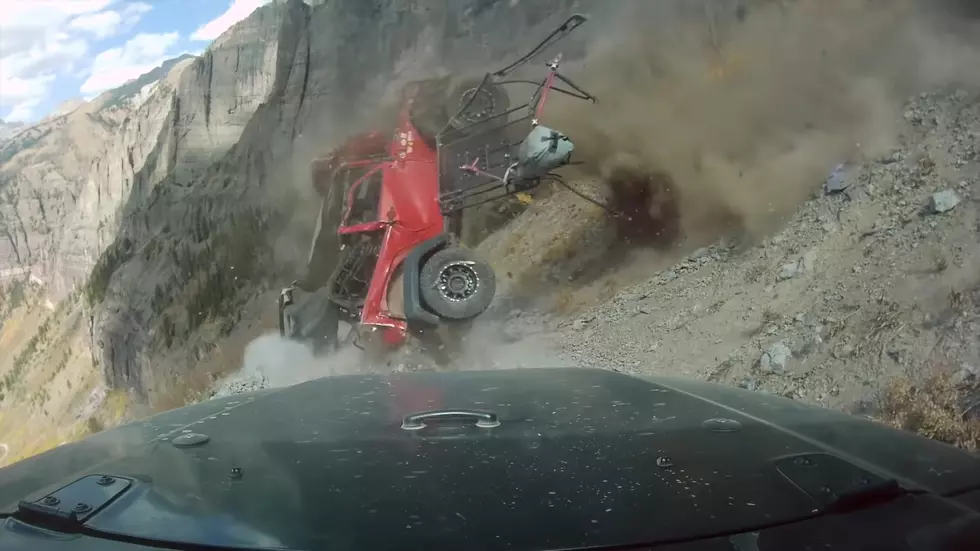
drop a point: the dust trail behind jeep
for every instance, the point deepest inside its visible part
(386, 256)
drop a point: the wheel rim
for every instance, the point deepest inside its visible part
(479, 109)
(458, 281)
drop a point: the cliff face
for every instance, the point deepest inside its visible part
(64, 181)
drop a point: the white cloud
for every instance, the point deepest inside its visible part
(23, 111)
(34, 27)
(45, 13)
(19, 89)
(117, 66)
(238, 10)
(27, 73)
(102, 24)
(107, 23)
(41, 40)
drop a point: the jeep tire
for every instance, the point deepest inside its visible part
(456, 285)
(492, 100)
(433, 108)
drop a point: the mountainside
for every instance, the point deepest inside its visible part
(175, 203)
(137, 90)
(65, 180)
(8, 129)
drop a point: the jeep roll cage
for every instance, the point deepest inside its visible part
(477, 161)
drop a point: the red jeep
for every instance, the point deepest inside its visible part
(386, 256)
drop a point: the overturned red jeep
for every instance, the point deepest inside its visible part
(386, 256)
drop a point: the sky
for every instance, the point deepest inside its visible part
(52, 51)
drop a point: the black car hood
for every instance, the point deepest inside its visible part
(581, 458)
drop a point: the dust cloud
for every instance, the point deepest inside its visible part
(271, 361)
(281, 362)
(737, 116)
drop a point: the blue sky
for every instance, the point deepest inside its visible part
(52, 51)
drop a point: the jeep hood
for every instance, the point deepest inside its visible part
(581, 458)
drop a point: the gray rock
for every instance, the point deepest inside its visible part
(775, 357)
(805, 263)
(240, 385)
(808, 261)
(845, 351)
(788, 271)
(966, 375)
(749, 383)
(698, 253)
(836, 182)
(944, 201)
(582, 323)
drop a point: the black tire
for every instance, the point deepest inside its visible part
(433, 106)
(493, 100)
(456, 285)
(313, 320)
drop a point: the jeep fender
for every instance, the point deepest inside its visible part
(415, 312)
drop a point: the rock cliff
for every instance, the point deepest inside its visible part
(65, 181)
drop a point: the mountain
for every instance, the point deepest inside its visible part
(177, 202)
(8, 129)
(66, 107)
(139, 88)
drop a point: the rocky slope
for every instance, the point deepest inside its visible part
(8, 129)
(876, 277)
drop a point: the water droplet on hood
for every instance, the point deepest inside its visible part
(720, 424)
(190, 439)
